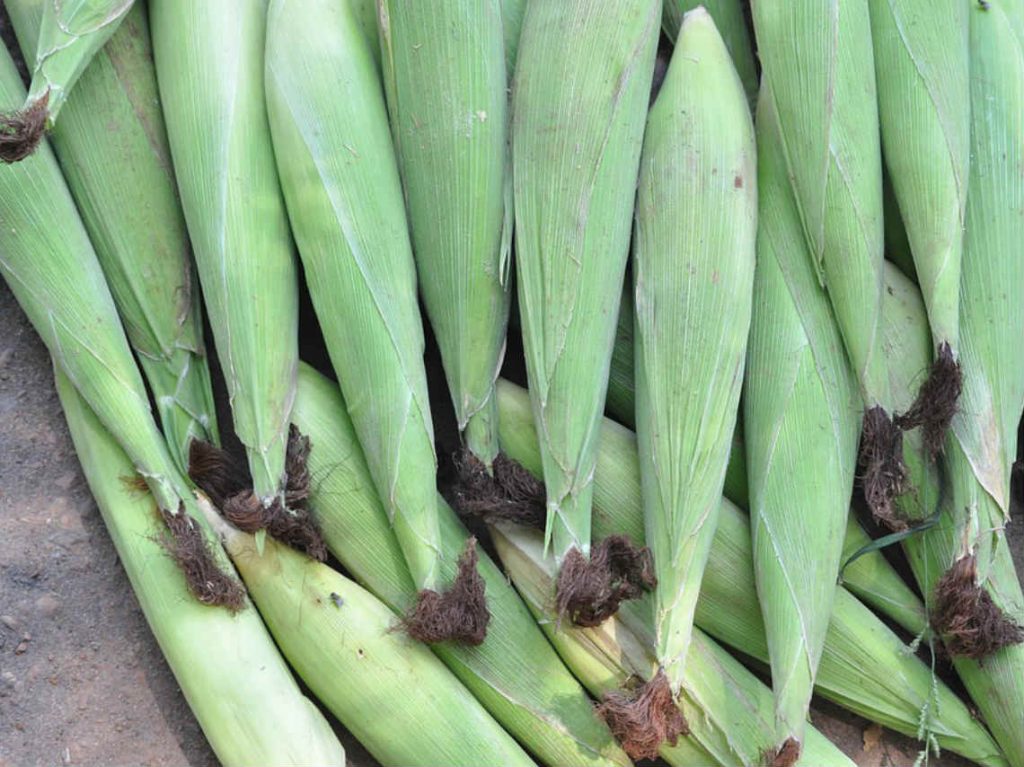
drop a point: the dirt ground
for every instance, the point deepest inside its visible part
(82, 681)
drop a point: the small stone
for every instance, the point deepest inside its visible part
(47, 605)
(23, 644)
(10, 622)
(8, 681)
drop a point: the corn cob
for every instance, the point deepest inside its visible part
(70, 33)
(729, 708)
(576, 137)
(870, 576)
(693, 268)
(814, 58)
(391, 693)
(514, 673)
(444, 75)
(344, 197)
(50, 265)
(921, 60)
(865, 667)
(232, 676)
(113, 149)
(209, 61)
(731, 24)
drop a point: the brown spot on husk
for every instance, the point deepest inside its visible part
(459, 614)
(226, 483)
(643, 718)
(589, 592)
(785, 755)
(936, 402)
(970, 623)
(190, 550)
(511, 493)
(21, 131)
(135, 484)
(881, 461)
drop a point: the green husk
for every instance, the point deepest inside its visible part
(921, 63)
(444, 75)
(227, 666)
(693, 270)
(112, 146)
(815, 59)
(512, 14)
(344, 198)
(897, 243)
(69, 34)
(579, 119)
(865, 667)
(729, 710)
(800, 420)
(731, 24)
(209, 62)
(366, 13)
(389, 691)
(515, 673)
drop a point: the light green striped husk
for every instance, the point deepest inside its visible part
(693, 271)
(391, 692)
(921, 65)
(996, 684)
(865, 667)
(731, 24)
(444, 75)
(227, 666)
(512, 14)
(870, 577)
(582, 84)
(818, 65)
(801, 419)
(344, 198)
(69, 36)
(515, 673)
(113, 149)
(209, 61)
(729, 711)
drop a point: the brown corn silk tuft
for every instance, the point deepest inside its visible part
(785, 755)
(970, 623)
(511, 493)
(206, 581)
(589, 592)
(883, 470)
(227, 485)
(644, 718)
(21, 131)
(459, 614)
(936, 402)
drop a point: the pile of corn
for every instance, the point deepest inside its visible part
(684, 215)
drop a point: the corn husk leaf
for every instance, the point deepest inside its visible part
(729, 710)
(514, 673)
(209, 61)
(921, 63)
(865, 667)
(227, 666)
(112, 146)
(576, 135)
(444, 74)
(378, 682)
(693, 270)
(814, 58)
(512, 14)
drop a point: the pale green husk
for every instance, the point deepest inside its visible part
(444, 75)
(817, 62)
(227, 666)
(693, 271)
(112, 146)
(391, 692)
(209, 61)
(921, 65)
(865, 667)
(512, 14)
(728, 709)
(801, 418)
(578, 123)
(515, 673)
